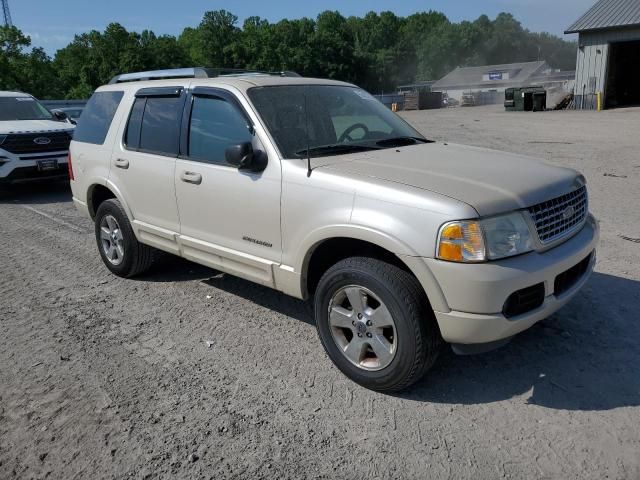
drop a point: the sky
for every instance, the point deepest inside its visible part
(52, 24)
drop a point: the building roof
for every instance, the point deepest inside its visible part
(608, 14)
(463, 78)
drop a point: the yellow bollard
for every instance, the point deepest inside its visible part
(599, 95)
(394, 107)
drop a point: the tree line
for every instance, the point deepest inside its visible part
(377, 51)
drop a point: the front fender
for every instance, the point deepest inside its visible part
(409, 257)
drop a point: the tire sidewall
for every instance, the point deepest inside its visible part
(113, 208)
(403, 361)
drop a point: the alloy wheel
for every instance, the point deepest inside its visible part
(362, 328)
(111, 240)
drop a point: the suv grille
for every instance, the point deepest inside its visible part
(558, 217)
(24, 142)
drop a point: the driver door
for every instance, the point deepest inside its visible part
(229, 218)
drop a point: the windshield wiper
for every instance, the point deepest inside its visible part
(400, 141)
(336, 149)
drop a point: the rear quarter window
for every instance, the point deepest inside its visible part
(161, 125)
(97, 116)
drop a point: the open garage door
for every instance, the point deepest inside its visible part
(623, 88)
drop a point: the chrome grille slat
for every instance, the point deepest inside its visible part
(23, 143)
(548, 216)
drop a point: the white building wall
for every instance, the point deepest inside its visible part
(592, 63)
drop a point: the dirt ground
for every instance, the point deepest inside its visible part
(187, 373)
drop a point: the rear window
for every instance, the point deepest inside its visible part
(96, 117)
(154, 122)
(132, 135)
(161, 125)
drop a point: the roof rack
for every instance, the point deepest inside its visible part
(195, 72)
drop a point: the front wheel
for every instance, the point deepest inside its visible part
(375, 323)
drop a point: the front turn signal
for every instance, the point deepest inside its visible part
(461, 242)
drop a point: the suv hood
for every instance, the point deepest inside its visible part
(33, 126)
(492, 182)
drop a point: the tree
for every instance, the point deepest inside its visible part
(30, 72)
(190, 42)
(217, 33)
(333, 47)
(162, 52)
(377, 51)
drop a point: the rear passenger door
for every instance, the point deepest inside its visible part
(230, 218)
(143, 164)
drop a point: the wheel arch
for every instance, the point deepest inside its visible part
(99, 192)
(328, 250)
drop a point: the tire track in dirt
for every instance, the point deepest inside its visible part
(142, 391)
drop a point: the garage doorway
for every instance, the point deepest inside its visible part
(623, 89)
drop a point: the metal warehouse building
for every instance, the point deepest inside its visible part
(608, 65)
(489, 82)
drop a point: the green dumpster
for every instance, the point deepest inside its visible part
(525, 99)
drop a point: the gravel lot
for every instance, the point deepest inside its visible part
(108, 378)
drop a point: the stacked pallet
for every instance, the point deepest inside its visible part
(411, 100)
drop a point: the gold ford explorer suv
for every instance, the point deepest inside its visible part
(313, 188)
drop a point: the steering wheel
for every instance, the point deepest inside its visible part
(348, 131)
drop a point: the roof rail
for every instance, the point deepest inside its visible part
(195, 72)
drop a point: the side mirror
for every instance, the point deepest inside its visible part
(243, 157)
(60, 116)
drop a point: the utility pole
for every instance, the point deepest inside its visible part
(6, 13)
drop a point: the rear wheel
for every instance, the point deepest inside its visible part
(375, 323)
(119, 249)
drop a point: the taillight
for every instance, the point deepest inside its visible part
(70, 167)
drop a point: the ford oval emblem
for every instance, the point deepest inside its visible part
(568, 213)
(42, 141)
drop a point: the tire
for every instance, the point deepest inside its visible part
(131, 258)
(412, 343)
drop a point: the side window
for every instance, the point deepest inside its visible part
(154, 123)
(161, 125)
(132, 136)
(97, 117)
(215, 125)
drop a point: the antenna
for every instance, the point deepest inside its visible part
(6, 13)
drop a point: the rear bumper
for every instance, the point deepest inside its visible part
(477, 293)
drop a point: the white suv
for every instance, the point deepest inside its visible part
(34, 143)
(314, 188)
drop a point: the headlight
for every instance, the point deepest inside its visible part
(487, 239)
(506, 236)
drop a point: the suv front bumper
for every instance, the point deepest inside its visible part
(25, 168)
(476, 293)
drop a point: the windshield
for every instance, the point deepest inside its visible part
(327, 120)
(22, 108)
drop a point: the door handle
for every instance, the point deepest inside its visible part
(121, 163)
(191, 177)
